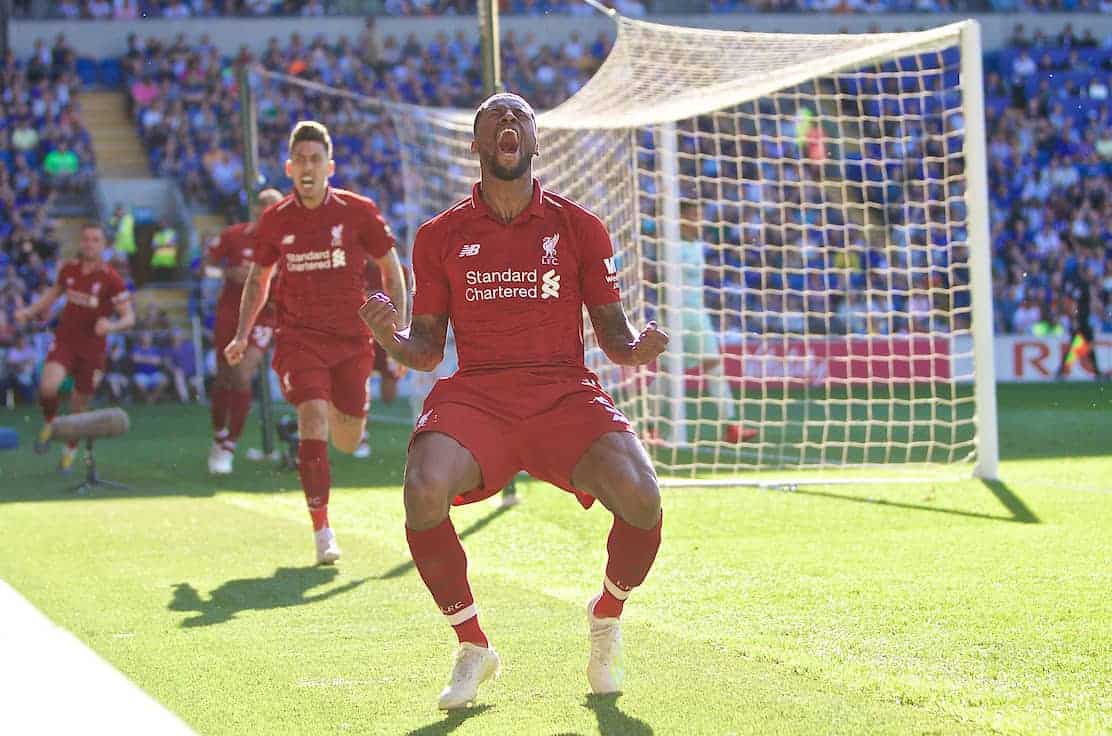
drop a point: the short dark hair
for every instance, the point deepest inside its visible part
(491, 100)
(311, 130)
(94, 225)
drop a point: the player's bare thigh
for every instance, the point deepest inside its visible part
(617, 471)
(437, 470)
(238, 377)
(53, 373)
(347, 430)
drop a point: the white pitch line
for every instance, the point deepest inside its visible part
(54, 684)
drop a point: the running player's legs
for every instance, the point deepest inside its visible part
(231, 394)
(350, 401)
(87, 375)
(307, 384)
(58, 363)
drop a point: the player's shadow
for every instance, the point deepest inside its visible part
(407, 566)
(1017, 509)
(612, 721)
(287, 587)
(450, 722)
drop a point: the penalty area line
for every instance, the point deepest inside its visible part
(53, 683)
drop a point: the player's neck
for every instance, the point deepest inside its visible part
(314, 202)
(507, 199)
(88, 264)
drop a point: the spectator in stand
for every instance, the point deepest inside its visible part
(117, 370)
(181, 361)
(63, 167)
(164, 253)
(122, 227)
(19, 371)
(148, 364)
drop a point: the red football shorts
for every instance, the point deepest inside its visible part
(315, 365)
(511, 422)
(224, 331)
(86, 368)
(383, 367)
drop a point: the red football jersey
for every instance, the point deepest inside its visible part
(515, 293)
(89, 296)
(322, 257)
(235, 247)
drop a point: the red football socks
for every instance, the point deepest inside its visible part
(239, 405)
(442, 563)
(49, 408)
(316, 479)
(219, 412)
(631, 553)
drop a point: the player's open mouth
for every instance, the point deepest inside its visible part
(508, 141)
(305, 181)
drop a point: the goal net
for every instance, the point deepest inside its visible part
(804, 214)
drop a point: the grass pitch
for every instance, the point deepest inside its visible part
(957, 607)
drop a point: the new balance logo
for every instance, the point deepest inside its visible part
(288, 240)
(550, 284)
(471, 249)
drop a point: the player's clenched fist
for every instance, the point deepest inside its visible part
(379, 314)
(235, 351)
(649, 344)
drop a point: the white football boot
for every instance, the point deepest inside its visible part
(474, 665)
(606, 667)
(327, 549)
(220, 460)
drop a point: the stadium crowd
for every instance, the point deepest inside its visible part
(1049, 149)
(186, 88)
(137, 9)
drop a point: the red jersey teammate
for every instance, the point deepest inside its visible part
(320, 239)
(231, 390)
(94, 293)
(512, 267)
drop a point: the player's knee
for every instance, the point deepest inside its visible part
(426, 494)
(346, 443)
(640, 497)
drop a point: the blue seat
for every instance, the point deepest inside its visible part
(111, 73)
(87, 71)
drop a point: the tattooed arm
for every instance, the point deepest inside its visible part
(421, 347)
(618, 340)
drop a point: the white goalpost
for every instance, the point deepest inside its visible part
(807, 217)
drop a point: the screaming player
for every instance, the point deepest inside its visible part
(511, 267)
(319, 238)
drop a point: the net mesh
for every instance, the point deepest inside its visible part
(793, 209)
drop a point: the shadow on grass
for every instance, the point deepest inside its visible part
(612, 721)
(1012, 502)
(453, 720)
(286, 588)
(407, 566)
(1015, 506)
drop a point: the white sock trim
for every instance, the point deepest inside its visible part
(614, 590)
(457, 618)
